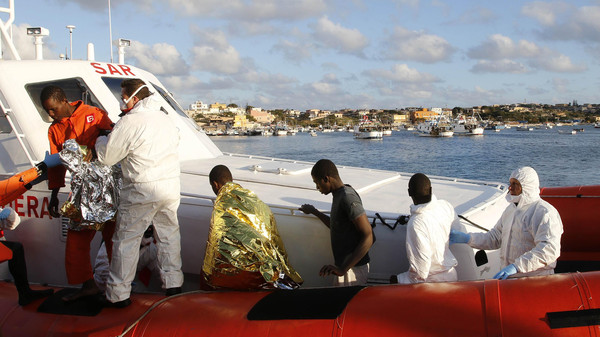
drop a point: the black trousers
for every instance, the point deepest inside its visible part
(17, 266)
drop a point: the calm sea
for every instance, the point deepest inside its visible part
(560, 159)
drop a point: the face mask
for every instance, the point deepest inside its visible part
(513, 198)
(124, 102)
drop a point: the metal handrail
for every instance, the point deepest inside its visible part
(292, 210)
(7, 112)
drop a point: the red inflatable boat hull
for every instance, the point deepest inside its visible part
(579, 209)
(514, 307)
(556, 305)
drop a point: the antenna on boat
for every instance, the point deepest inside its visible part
(70, 28)
(110, 33)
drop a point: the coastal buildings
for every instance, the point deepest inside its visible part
(249, 117)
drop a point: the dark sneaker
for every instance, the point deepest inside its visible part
(120, 305)
(173, 291)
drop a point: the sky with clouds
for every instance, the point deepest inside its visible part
(336, 54)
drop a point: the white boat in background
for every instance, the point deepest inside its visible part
(467, 126)
(367, 129)
(567, 132)
(524, 128)
(439, 127)
(387, 131)
(281, 130)
(313, 133)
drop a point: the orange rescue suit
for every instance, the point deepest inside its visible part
(84, 125)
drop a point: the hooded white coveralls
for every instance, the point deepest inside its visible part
(144, 142)
(427, 243)
(527, 234)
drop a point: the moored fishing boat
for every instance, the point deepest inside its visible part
(524, 128)
(467, 126)
(367, 129)
(434, 129)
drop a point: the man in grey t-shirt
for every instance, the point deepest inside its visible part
(351, 232)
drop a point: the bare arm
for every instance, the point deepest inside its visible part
(364, 227)
(310, 209)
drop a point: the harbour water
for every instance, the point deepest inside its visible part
(561, 159)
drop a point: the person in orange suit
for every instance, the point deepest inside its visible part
(83, 123)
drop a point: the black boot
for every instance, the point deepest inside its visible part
(173, 291)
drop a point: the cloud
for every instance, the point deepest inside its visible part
(400, 73)
(499, 66)
(477, 15)
(498, 47)
(404, 44)
(333, 35)
(499, 53)
(563, 21)
(160, 58)
(536, 91)
(545, 13)
(257, 10)
(213, 53)
(557, 63)
(293, 51)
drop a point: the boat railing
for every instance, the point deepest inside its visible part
(7, 112)
(498, 185)
(285, 210)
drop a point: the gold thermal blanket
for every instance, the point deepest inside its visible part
(244, 249)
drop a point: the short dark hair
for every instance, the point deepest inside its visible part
(52, 91)
(324, 168)
(419, 186)
(220, 174)
(132, 84)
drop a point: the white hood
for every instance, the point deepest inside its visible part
(530, 184)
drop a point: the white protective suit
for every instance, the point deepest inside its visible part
(148, 252)
(527, 234)
(427, 243)
(144, 142)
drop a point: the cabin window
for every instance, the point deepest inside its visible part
(114, 85)
(169, 100)
(75, 89)
(175, 105)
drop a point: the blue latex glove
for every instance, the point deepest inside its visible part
(52, 160)
(506, 272)
(4, 214)
(459, 237)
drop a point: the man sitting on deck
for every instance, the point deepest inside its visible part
(244, 250)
